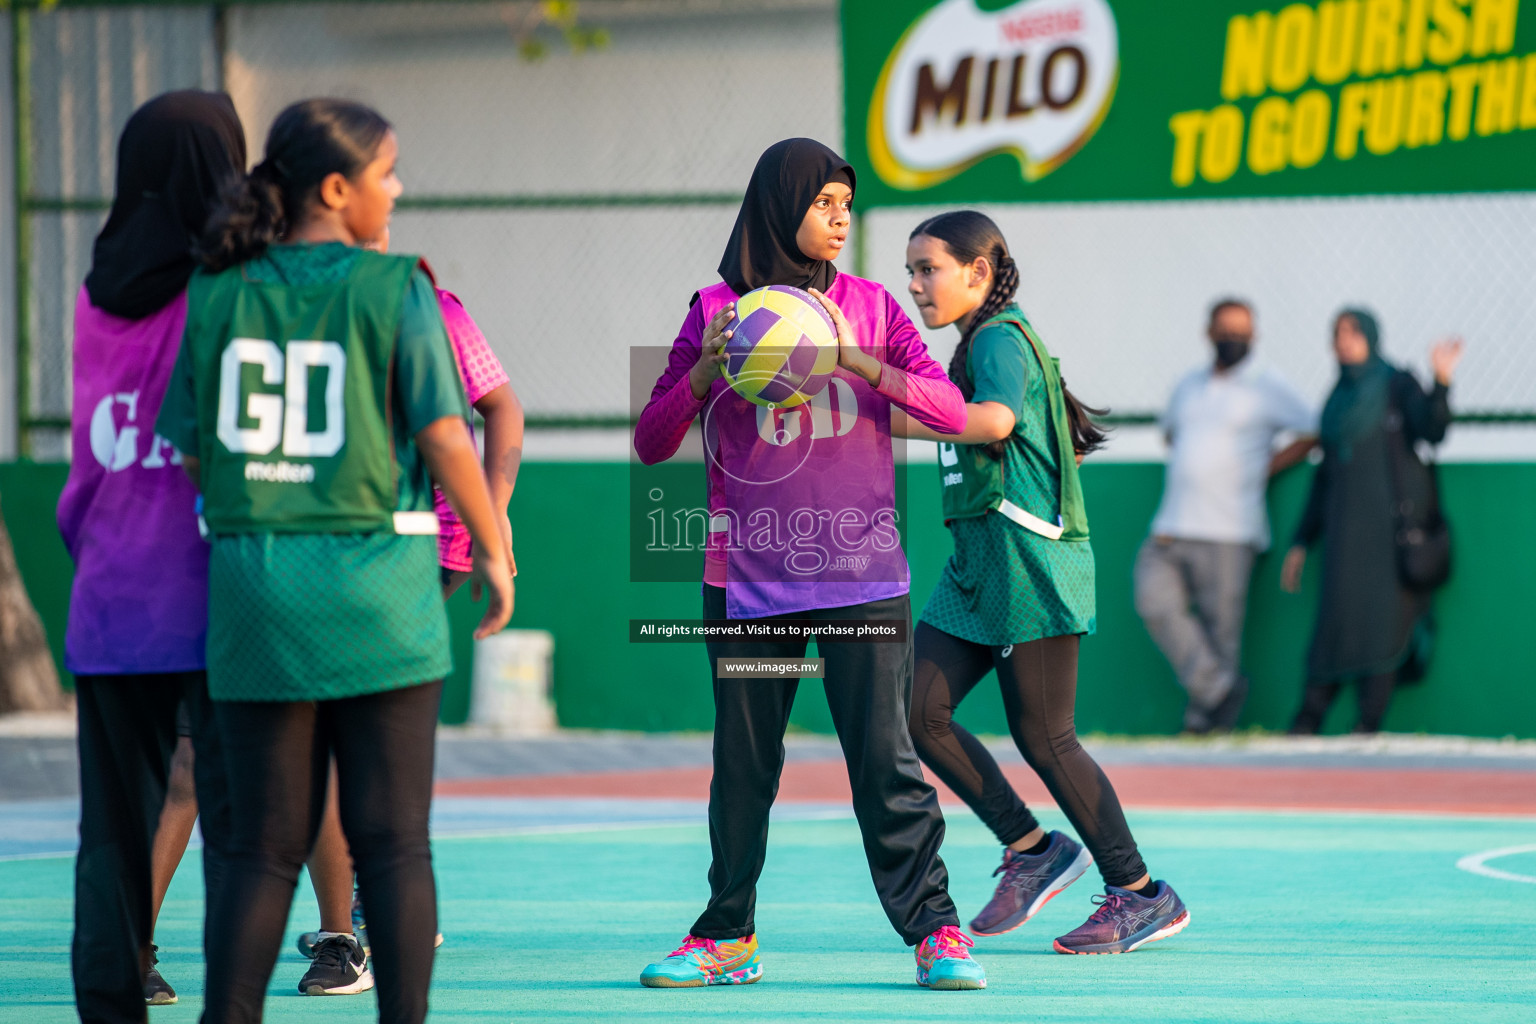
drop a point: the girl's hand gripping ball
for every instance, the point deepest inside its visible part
(712, 353)
(849, 356)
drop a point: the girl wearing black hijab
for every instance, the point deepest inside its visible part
(1367, 617)
(802, 522)
(138, 607)
(177, 153)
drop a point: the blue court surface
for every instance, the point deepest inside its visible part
(551, 906)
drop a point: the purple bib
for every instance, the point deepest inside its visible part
(139, 603)
(808, 514)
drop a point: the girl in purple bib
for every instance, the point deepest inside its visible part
(802, 512)
(138, 608)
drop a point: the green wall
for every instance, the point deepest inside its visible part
(572, 553)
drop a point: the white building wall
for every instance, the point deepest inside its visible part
(681, 102)
(91, 68)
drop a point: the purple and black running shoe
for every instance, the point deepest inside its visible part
(1126, 921)
(1028, 883)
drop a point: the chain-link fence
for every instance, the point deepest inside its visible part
(575, 201)
(1121, 291)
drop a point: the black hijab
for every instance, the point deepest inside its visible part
(176, 154)
(1358, 402)
(786, 181)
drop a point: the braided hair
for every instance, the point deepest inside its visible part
(309, 141)
(969, 235)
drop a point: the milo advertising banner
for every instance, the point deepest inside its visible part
(991, 101)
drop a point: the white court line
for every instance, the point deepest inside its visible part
(1473, 862)
(541, 829)
(44, 855)
(576, 828)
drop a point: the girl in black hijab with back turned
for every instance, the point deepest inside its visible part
(177, 153)
(1366, 618)
(139, 602)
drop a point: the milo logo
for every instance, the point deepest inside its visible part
(1034, 79)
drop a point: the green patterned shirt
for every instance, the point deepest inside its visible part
(322, 616)
(1006, 584)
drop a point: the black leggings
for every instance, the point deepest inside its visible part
(279, 759)
(1039, 684)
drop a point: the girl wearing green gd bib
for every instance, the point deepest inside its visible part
(315, 397)
(1016, 597)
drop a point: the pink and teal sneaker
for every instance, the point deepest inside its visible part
(943, 961)
(698, 962)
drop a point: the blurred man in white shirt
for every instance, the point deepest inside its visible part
(1222, 426)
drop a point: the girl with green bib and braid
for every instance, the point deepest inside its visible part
(315, 399)
(1016, 597)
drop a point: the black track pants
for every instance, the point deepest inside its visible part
(127, 731)
(868, 688)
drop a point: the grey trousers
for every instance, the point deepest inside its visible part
(1193, 595)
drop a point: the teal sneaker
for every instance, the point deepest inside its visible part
(698, 962)
(359, 925)
(943, 961)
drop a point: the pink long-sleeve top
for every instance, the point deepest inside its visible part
(482, 373)
(802, 500)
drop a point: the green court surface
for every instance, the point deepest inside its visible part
(1295, 917)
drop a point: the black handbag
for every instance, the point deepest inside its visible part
(1421, 532)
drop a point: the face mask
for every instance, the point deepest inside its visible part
(1230, 352)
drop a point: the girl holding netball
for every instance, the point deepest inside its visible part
(790, 491)
(314, 394)
(1016, 597)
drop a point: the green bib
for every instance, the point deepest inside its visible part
(973, 481)
(294, 398)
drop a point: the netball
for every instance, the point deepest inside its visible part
(782, 349)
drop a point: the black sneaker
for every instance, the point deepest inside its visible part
(1221, 718)
(340, 968)
(306, 942)
(157, 992)
(1225, 714)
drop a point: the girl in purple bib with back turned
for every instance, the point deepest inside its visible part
(802, 512)
(138, 609)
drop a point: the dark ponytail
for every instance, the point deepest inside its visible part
(1087, 436)
(308, 142)
(968, 235)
